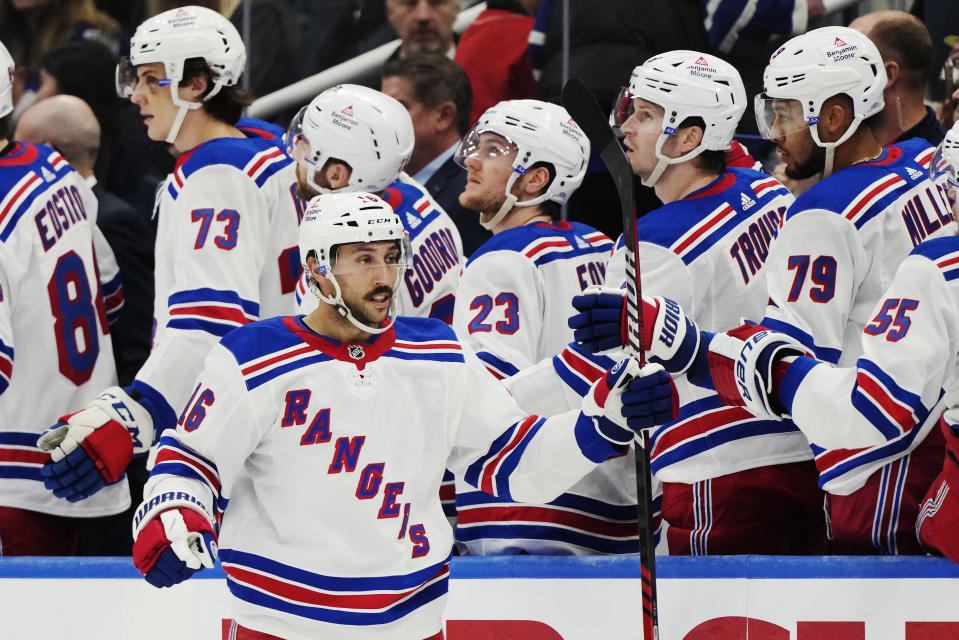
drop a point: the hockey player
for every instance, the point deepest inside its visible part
(524, 158)
(731, 483)
(312, 448)
(55, 348)
(352, 138)
(226, 239)
(839, 247)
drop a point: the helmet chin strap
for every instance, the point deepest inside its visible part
(830, 147)
(184, 108)
(510, 203)
(336, 301)
(664, 161)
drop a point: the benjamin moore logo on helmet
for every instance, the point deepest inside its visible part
(701, 69)
(182, 18)
(842, 51)
(571, 129)
(341, 119)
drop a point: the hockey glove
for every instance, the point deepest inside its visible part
(91, 448)
(746, 362)
(669, 337)
(628, 399)
(174, 546)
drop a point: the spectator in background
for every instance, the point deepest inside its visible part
(129, 164)
(436, 92)
(941, 17)
(906, 50)
(502, 71)
(423, 26)
(274, 44)
(605, 42)
(338, 30)
(31, 27)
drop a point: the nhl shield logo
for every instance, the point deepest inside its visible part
(356, 351)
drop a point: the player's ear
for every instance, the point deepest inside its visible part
(688, 138)
(537, 179)
(835, 118)
(338, 175)
(312, 267)
(194, 88)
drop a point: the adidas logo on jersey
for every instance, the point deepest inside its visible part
(914, 174)
(746, 202)
(412, 221)
(48, 175)
(581, 244)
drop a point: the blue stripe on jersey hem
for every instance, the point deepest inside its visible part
(721, 436)
(874, 454)
(589, 506)
(508, 465)
(16, 472)
(544, 534)
(331, 583)
(6, 350)
(889, 385)
(338, 616)
(19, 438)
(473, 472)
(263, 378)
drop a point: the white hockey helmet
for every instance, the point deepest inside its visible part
(540, 132)
(6, 81)
(686, 84)
(813, 67)
(944, 168)
(335, 219)
(368, 130)
(172, 38)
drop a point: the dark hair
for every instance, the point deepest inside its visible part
(436, 79)
(83, 68)
(906, 41)
(229, 102)
(710, 161)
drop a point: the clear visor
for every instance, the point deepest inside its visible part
(370, 255)
(944, 168)
(297, 146)
(622, 109)
(484, 145)
(778, 117)
(125, 77)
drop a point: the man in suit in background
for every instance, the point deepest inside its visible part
(436, 92)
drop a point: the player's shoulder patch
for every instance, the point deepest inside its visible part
(936, 249)
(412, 329)
(259, 340)
(257, 158)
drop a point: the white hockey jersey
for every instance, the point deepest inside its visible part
(516, 292)
(429, 285)
(881, 409)
(841, 245)
(226, 255)
(325, 461)
(842, 242)
(55, 348)
(707, 252)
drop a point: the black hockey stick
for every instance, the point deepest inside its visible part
(581, 104)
